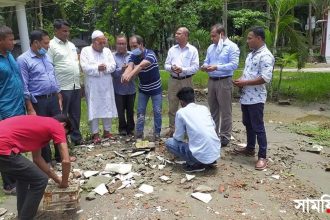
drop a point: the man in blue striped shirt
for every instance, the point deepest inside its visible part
(143, 62)
(220, 63)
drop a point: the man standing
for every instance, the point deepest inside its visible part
(64, 56)
(182, 62)
(258, 70)
(221, 60)
(41, 89)
(144, 63)
(195, 121)
(29, 133)
(124, 92)
(11, 90)
(97, 63)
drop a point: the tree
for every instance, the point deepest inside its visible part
(283, 61)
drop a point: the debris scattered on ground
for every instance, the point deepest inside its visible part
(89, 173)
(146, 188)
(204, 197)
(203, 189)
(118, 168)
(284, 102)
(101, 189)
(316, 149)
(277, 177)
(190, 177)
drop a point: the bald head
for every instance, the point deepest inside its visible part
(181, 36)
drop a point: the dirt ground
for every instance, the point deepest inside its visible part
(240, 192)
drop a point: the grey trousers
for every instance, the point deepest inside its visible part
(219, 99)
(174, 85)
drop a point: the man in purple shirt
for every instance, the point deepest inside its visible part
(124, 92)
(41, 88)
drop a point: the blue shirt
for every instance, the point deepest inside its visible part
(122, 88)
(150, 82)
(38, 75)
(226, 58)
(11, 88)
(196, 121)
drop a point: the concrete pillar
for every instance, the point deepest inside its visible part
(327, 40)
(22, 27)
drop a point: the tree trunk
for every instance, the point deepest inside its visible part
(310, 37)
(40, 14)
(225, 15)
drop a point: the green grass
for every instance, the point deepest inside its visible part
(318, 132)
(303, 87)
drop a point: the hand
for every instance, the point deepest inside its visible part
(102, 67)
(125, 78)
(64, 184)
(60, 101)
(211, 68)
(176, 69)
(204, 67)
(240, 83)
(31, 112)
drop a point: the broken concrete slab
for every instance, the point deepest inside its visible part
(203, 189)
(316, 149)
(190, 177)
(138, 153)
(204, 197)
(118, 168)
(146, 188)
(113, 186)
(95, 181)
(101, 189)
(90, 173)
(91, 196)
(164, 178)
(277, 177)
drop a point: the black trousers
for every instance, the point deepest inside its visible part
(71, 107)
(48, 106)
(125, 109)
(8, 182)
(31, 182)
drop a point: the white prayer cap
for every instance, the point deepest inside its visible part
(96, 34)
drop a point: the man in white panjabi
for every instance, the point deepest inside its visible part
(97, 64)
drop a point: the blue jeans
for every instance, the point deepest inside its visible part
(141, 112)
(181, 149)
(253, 119)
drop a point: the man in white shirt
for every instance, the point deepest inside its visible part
(182, 62)
(195, 121)
(97, 63)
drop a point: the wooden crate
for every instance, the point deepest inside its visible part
(58, 199)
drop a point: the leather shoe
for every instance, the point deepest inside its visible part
(245, 151)
(261, 164)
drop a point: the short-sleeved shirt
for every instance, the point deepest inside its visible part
(150, 82)
(259, 63)
(26, 133)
